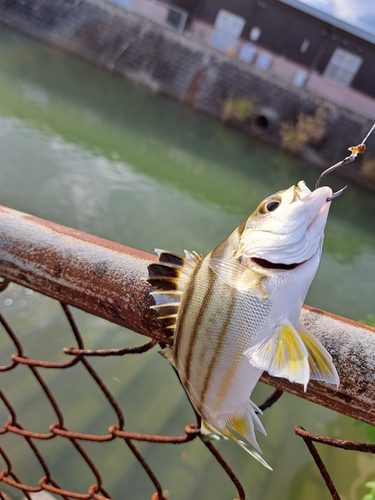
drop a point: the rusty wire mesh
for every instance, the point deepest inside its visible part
(58, 428)
(78, 354)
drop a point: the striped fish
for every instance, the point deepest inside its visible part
(235, 313)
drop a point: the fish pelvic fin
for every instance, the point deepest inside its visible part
(294, 354)
(284, 354)
(320, 361)
(169, 276)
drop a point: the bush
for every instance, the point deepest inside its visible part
(237, 109)
(308, 129)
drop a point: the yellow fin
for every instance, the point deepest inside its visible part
(235, 274)
(282, 355)
(245, 424)
(209, 431)
(253, 453)
(320, 361)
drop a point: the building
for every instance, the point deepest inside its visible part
(296, 42)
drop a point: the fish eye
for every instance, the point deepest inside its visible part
(272, 205)
(269, 206)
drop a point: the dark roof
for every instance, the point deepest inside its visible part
(334, 21)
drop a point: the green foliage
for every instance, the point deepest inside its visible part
(237, 109)
(295, 137)
(371, 494)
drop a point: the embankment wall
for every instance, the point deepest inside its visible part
(192, 73)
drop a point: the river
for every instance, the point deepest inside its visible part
(86, 149)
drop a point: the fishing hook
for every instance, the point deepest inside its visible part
(355, 150)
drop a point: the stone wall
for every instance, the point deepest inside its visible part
(207, 80)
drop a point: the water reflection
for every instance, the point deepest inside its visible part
(86, 149)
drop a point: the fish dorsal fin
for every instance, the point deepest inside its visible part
(235, 274)
(295, 354)
(320, 361)
(282, 355)
(169, 276)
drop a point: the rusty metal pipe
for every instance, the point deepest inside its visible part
(93, 274)
(107, 279)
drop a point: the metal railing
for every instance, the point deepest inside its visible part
(107, 279)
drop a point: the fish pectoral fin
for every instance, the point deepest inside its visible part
(167, 353)
(282, 355)
(320, 361)
(235, 274)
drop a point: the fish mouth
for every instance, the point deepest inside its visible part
(266, 264)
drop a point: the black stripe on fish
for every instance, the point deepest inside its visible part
(271, 265)
(189, 292)
(163, 283)
(217, 351)
(163, 270)
(172, 258)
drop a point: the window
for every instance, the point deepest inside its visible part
(263, 60)
(247, 53)
(255, 33)
(229, 23)
(300, 78)
(228, 28)
(342, 67)
(305, 45)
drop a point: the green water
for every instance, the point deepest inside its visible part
(86, 149)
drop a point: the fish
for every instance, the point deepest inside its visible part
(235, 313)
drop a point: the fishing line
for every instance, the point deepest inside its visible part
(355, 150)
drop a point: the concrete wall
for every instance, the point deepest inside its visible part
(188, 71)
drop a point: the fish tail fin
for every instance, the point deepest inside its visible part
(252, 452)
(244, 425)
(320, 361)
(169, 276)
(294, 354)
